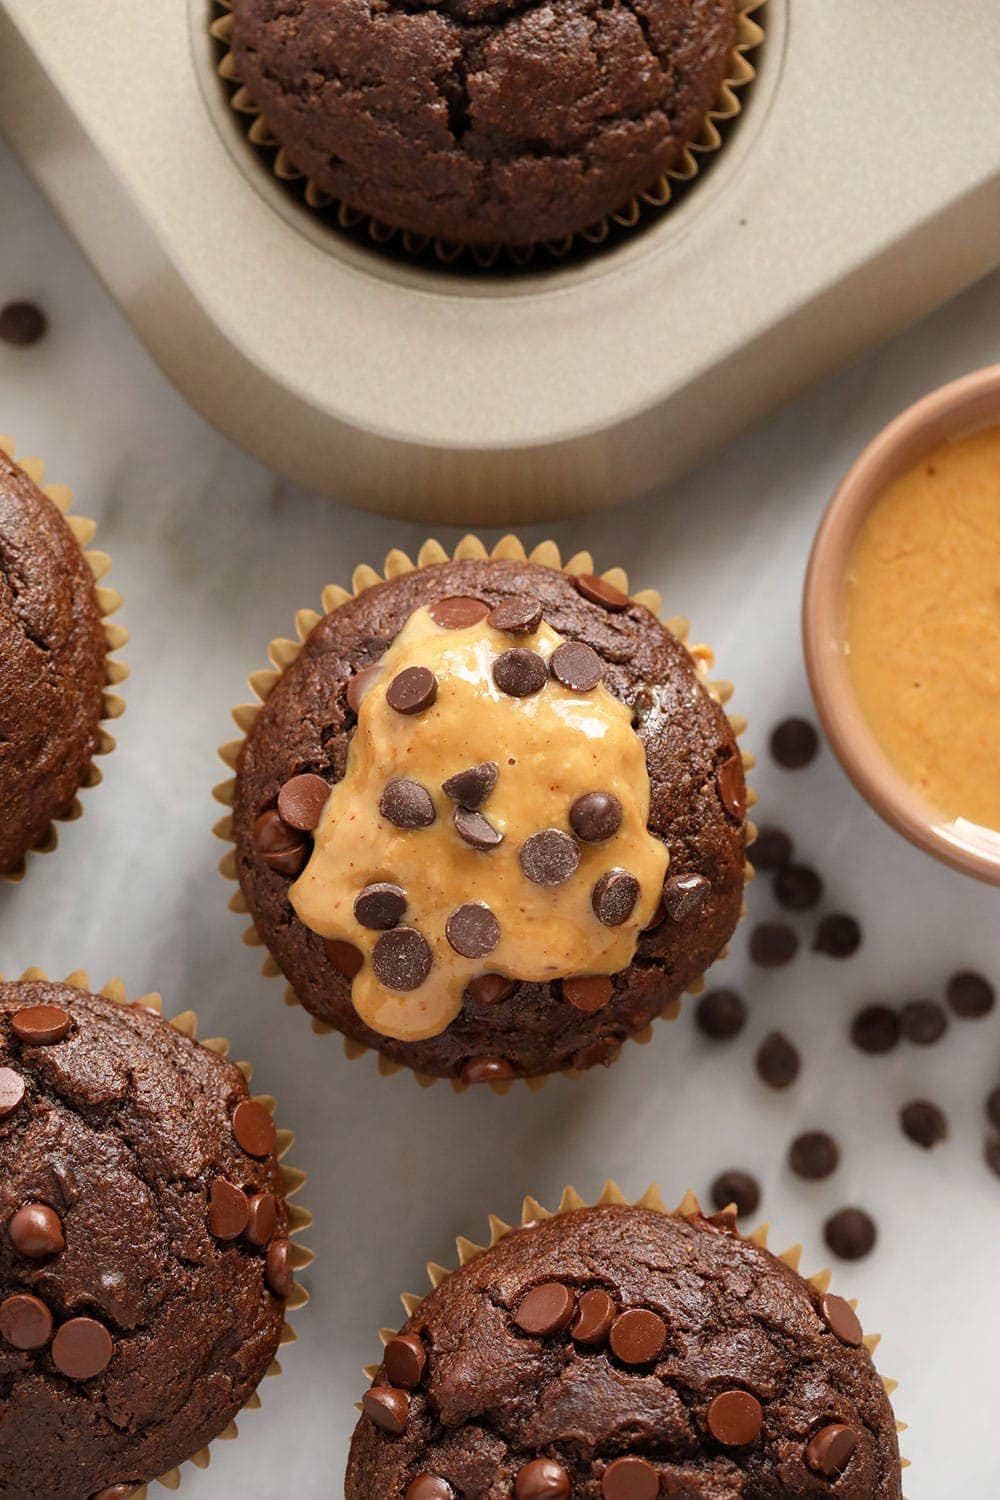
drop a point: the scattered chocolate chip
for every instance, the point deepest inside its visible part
(542, 1479)
(429, 1487)
(736, 1187)
(778, 1061)
(402, 959)
(577, 666)
(380, 906)
(923, 1123)
(253, 1128)
(476, 829)
(36, 1231)
(814, 1155)
(472, 930)
(588, 992)
(472, 787)
(630, 1478)
(359, 685)
(923, 1022)
(281, 847)
(458, 612)
(842, 1321)
(875, 1029)
(596, 816)
(545, 1310)
(683, 895)
(262, 1219)
(228, 1210)
(771, 849)
(797, 888)
(637, 1336)
(147, 1009)
(851, 1233)
(837, 935)
(278, 1269)
(22, 324)
(970, 995)
(41, 1025)
(773, 944)
(518, 616)
(720, 1015)
(345, 958)
(25, 1322)
(549, 857)
(301, 801)
(991, 1154)
(406, 804)
(519, 672)
(389, 1409)
(730, 787)
(595, 1313)
(489, 989)
(735, 1418)
(412, 691)
(831, 1450)
(794, 743)
(117, 1492)
(12, 1089)
(614, 896)
(405, 1361)
(82, 1348)
(486, 1070)
(599, 591)
(993, 1108)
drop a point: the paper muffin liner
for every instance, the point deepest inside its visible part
(294, 1180)
(636, 212)
(532, 1212)
(283, 652)
(115, 672)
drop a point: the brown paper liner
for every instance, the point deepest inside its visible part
(283, 652)
(115, 672)
(611, 1194)
(637, 212)
(294, 1180)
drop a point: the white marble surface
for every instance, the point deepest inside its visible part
(214, 556)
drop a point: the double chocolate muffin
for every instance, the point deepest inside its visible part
(490, 821)
(144, 1253)
(623, 1353)
(484, 121)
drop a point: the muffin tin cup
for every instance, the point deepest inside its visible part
(632, 215)
(294, 1180)
(116, 636)
(283, 652)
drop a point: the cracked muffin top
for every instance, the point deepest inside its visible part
(144, 1258)
(484, 121)
(622, 1353)
(52, 665)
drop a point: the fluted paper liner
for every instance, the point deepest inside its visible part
(115, 672)
(611, 1194)
(283, 652)
(740, 73)
(298, 1218)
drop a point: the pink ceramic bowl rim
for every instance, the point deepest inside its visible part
(949, 412)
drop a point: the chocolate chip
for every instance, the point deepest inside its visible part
(406, 804)
(36, 1231)
(301, 801)
(476, 829)
(519, 616)
(281, 847)
(875, 1029)
(683, 895)
(831, 1450)
(412, 691)
(12, 1089)
(736, 1187)
(637, 1336)
(923, 1123)
(970, 995)
(520, 672)
(595, 1313)
(402, 959)
(472, 787)
(389, 1409)
(486, 1070)
(429, 1487)
(253, 1128)
(542, 1479)
(82, 1348)
(359, 685)
(730, 786)
(549, 857)
(588, 992)
(577, 666)
(41, 1025)
(278, 1269)
(991, 1154)
(923, 1022)
(614, 896)
(262, 1219)
(794, 743)
(472, 930)
(22, 324)
(993, 1108)
(771, 849)
(117, 1492)
(489, 989)
(837, 935)
(228, 1209)
(797, 888)
(545, 1310)
(380, 906)
(735, 1418)
(720, 1015)
(778, 1061)
(814, 1155)
(345, 958)
(773, 944)
(458, 612)
(630, 1478)
(599, 591)
(842, 1321)
(596, 816)
(25, 1322)
(851, 1233)
(405, 1361)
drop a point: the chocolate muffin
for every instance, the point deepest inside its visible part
(623, 1353)
(52, 667)
(489, 820)
(144, 1252)
(484, 121)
